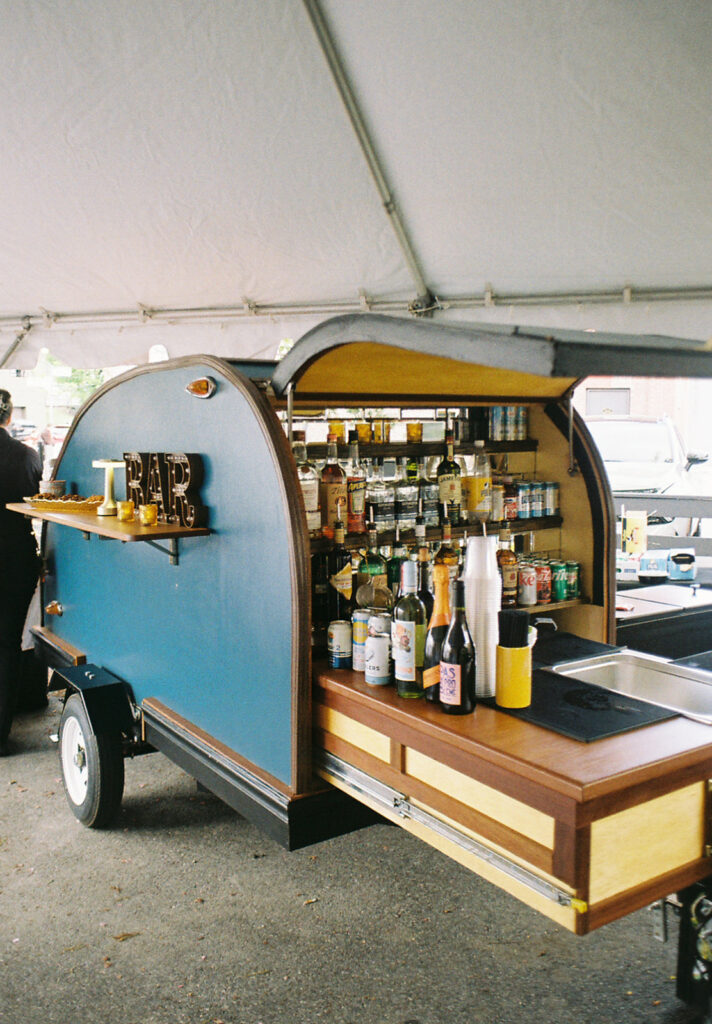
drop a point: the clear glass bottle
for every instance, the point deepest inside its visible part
(380, 498)
(482, 507)
(308, 481)
(428, 495)
(355, 488)
(408, 635)
(449, 482)
(406, 498)
(332, 488)
(438, 624)
(457, 661)
(372, 568)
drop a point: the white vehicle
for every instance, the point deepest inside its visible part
(645, 455)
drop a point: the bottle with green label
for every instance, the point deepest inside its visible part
(408, 635)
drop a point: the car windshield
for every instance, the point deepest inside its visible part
(632, 441)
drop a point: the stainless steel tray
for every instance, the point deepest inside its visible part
(688, 691)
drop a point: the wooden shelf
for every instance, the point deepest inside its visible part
(110, 528)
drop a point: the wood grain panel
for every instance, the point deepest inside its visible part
(358, 735)
(641, 843)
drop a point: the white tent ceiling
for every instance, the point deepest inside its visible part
(184, 172)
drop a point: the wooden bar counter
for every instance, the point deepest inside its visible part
(607, 826)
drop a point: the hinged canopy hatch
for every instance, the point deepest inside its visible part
(364, 359)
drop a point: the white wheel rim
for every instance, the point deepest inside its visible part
(74, 761)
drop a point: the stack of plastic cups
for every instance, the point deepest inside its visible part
(483, 600)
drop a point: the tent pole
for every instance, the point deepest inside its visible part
(425, 299)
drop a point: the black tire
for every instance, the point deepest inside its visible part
(92, 767)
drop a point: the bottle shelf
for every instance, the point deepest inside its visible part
(423, 449)
(386, 538)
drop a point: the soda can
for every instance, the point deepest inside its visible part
(510, 423)
(379, 622)
(378, 659)
(536, 500)
(559, 582)
(497, 503)
(359, 622)
(573, 580)
(339, 642)
(526, 590)
(524, 501)
(522, 424)
(543, 583)
(496, 423)
(551, 498)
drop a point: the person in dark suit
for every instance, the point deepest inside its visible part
(20, 472)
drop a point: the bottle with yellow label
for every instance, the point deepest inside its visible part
(437, 628)
(341, 577)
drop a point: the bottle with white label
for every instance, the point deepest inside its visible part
(449, 483)
(332, 489)
(408, 629)
(457, 661)
(309, 482)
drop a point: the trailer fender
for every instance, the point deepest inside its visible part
(108, 700)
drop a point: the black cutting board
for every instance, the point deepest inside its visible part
(583, 711)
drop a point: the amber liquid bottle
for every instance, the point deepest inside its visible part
(437, 629)
(332, 489)
(507, 563)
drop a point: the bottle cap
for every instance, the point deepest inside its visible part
(409, 575)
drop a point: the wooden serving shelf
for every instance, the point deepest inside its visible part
(614, 824)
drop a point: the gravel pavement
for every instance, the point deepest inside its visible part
(186, 914)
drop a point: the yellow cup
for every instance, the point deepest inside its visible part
(148, 515)
(513, 682)
(125, 511)
(363, 428)
(414, 431)
(381, 431)
(338, 427)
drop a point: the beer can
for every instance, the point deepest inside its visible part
(524, 508)
(339, 642)
(379, 622)
(573, 580)
(378, 659)
(510, 423)
(496, 423)
(559, 583)
(359, 622)
(526, 590)
(522, 425)
(543, 583)
(551, 498)
(536, 501)
(497, 503)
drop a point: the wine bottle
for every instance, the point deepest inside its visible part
(437, 629)
(408, 635)
(424, 576)
(394, 563)
(457, 661)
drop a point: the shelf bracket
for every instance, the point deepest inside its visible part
(171, 550)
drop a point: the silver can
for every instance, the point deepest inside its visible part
(496, 423)
(551, 498)
(524, 500)
(379, 622)
(510, 423)
(522, 422)
(378, 659)
(340, 643)
(526, 589)
(536, 501)
(359, 621)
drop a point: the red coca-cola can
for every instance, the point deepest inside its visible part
(543, 583)
(527, 590)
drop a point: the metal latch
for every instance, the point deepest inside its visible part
(659, 911)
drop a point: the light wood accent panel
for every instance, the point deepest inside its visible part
(362, 736)
(565, 916)
(63, 648)
(646, 841)
(511, 813)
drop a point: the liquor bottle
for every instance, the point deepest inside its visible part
(406, 498)
(457, 661)
(425, 579)
(341, 577)
(437, 628)
(408, 635)
(308, 481)
(332, 488)
(483, 484)
(355, 488)
(449, 483)
(372, 567)
(380, 498)
(429, 496)
(320, 600)
(393, 565)
(447, 554)
(507, 563)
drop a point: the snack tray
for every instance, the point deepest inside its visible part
(56, 505)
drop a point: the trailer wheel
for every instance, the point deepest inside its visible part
(92, 767)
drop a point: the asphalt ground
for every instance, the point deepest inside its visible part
(184, 913)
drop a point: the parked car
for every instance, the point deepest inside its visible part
(646, 455)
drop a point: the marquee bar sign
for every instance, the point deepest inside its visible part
(170, 480)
